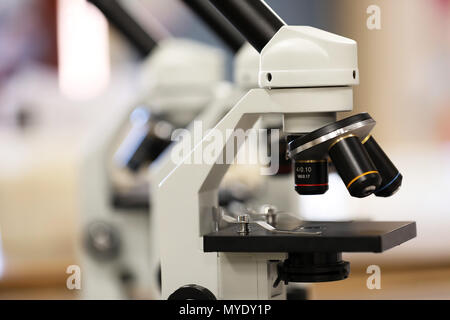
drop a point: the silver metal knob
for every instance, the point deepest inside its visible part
(269, 212)
(243, 221)
(269, 209)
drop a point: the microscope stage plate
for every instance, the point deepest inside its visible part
(353, 236)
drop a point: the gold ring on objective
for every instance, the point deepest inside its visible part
(311, 161)
(340, 139)
(360, 176)
(366, 139)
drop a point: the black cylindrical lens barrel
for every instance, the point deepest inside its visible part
(217, 22)
(129, 27)
(391, 177)
(355, 167)
(253, 18)
(147, 150)
(311, 176)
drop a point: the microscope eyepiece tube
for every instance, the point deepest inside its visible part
(391, 177)
(129, 27)
(253, 18)
(217, 22)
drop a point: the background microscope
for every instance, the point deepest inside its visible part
(178, 79)
(144, 142)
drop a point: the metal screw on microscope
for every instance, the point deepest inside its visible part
(243, 221)
(270, 213)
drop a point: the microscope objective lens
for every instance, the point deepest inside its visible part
(311, 176)
(355, 167)
(391, 177)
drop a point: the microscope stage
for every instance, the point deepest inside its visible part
(353, 236)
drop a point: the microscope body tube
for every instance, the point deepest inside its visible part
(217, 22)
(118, 17)
(253, 18)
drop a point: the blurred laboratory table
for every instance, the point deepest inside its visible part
(397, 283)
(421, 283)
(39, 281)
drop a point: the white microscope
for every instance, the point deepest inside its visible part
(179, 79)
(306, 76)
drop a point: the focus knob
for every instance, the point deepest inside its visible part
(192, 292)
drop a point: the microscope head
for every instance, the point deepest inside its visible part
(181, 64)
(306, 57)
(292, 56)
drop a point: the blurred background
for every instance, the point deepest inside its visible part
(63, 70)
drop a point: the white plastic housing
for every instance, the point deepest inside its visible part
(301, 56)
(246, 67)
(179, 76)
(182, 63)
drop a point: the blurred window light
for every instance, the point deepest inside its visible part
(83, 49)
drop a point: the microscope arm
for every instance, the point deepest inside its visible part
(224, 97)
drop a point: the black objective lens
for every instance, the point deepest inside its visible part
(355, 167)
(147, 151)
(311, 177)
(391, 177)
